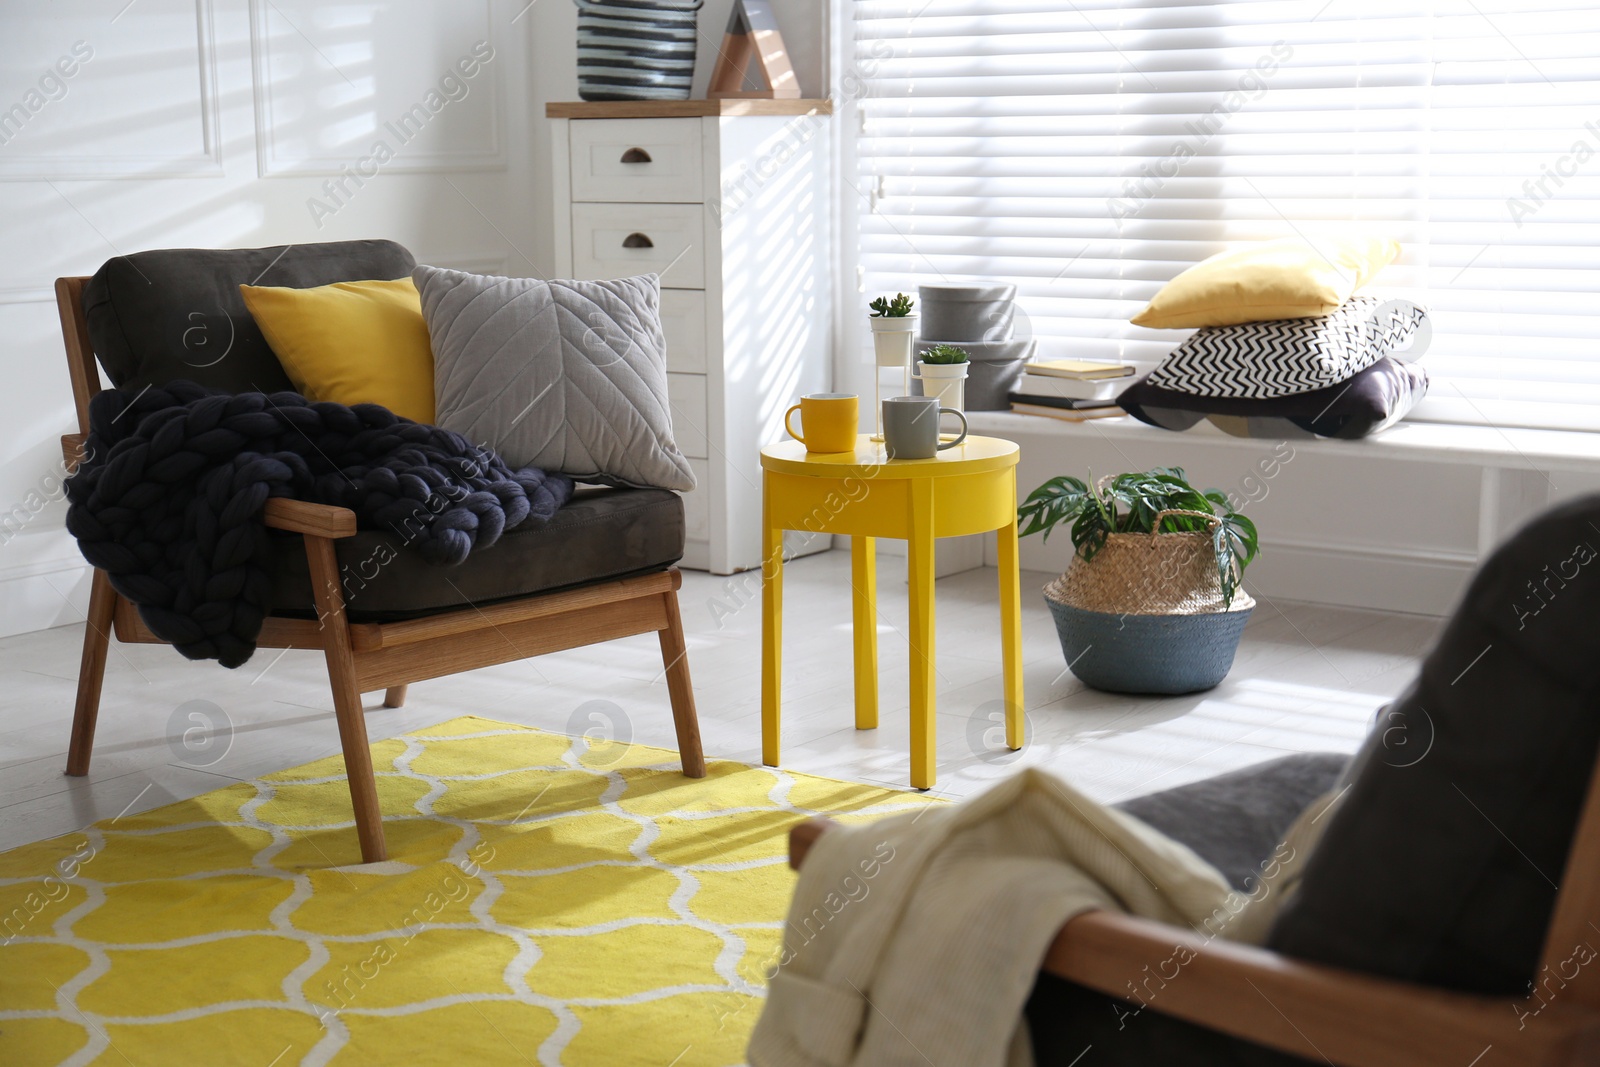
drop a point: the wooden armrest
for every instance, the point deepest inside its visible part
(303, 517)
(803, 835)
(1321, 1013)
(71, 450)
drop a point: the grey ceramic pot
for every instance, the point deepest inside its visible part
(994, 371)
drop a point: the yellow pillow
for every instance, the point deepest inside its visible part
(351, 342)
(1284, 279)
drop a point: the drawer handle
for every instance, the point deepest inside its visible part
(637, 240)
(636, 155)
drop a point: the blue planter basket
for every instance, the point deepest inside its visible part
(1163, 654)
(1147, 613)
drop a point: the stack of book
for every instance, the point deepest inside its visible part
(1071, 389)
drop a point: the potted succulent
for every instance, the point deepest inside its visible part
(942, 370)
(894, 326)
(1151, 602)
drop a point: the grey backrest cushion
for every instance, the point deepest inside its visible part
(564, 375)
(1442, 864)
(155, 317)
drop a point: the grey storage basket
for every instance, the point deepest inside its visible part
(1147, 613)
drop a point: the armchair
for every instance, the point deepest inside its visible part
(602, 569)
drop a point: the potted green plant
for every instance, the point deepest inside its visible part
(1152, 601)
(942, 370)
(894, 326)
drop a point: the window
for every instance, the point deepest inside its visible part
(1089, 150)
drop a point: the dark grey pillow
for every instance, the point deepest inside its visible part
(1371, 400)
(1442, 864)
(176, 313)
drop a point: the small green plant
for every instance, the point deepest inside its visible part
(943, 354)
(1129, 503)
(884, 308)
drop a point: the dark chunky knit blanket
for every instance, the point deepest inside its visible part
(168, 501)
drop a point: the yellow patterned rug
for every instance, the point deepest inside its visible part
(545, 903)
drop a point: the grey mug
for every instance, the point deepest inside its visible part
(911, 427)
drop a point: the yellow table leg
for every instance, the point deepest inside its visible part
(1011, 626)
(771, 627)
(919, 565)
(864, 623)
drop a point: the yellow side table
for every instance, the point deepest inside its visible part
(968, 489)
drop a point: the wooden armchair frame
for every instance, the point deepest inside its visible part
(365, 657)
(1341, 1017)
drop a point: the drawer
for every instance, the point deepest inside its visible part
(697, 505)
(686, 393)
(683, 320)
(637, 160)
(621, 240)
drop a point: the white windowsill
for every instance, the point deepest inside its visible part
(1422, 442)
(1515, 462)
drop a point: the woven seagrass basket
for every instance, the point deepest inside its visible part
(1147, 614)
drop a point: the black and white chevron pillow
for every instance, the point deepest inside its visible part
(1283, 357)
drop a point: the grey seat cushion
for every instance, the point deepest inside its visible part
(601, 535)
(1441, 865)
(1234, 821)
(176, 313)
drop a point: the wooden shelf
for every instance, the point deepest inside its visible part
(682, 109)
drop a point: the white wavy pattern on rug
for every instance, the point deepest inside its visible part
(294, 991)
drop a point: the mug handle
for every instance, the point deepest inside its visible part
(963, 437)
(787, 415)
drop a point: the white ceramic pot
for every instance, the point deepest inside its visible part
(892, 339)
(947, 381)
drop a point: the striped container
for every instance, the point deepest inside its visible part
(636, 49)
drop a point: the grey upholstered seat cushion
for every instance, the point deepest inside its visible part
(1234, 821)
(176, 313)
(568, 376)
(601, 535)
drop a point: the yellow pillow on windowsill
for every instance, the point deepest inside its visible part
(351, 342)
(1286, 279)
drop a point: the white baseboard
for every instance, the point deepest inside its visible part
(37, 596)
(1380, 578)
(1384, 579)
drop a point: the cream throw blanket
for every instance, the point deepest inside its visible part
(916, 939)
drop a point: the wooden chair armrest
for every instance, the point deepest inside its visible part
(1321, 1013)
(304, 517)
(803, 835)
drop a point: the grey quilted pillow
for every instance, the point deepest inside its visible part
(567, 376)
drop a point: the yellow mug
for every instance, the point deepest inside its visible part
(829, 419)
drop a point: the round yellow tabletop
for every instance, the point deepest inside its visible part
(975, 455)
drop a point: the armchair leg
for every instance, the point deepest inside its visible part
(346, 698)
(675, 654)
(394, 696)
(91, 672)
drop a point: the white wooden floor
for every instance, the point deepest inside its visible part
(1307, 678)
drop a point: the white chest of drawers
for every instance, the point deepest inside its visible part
(729, 202)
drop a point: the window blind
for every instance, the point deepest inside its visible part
(1089, 150)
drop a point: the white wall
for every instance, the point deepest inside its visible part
(213, 123)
